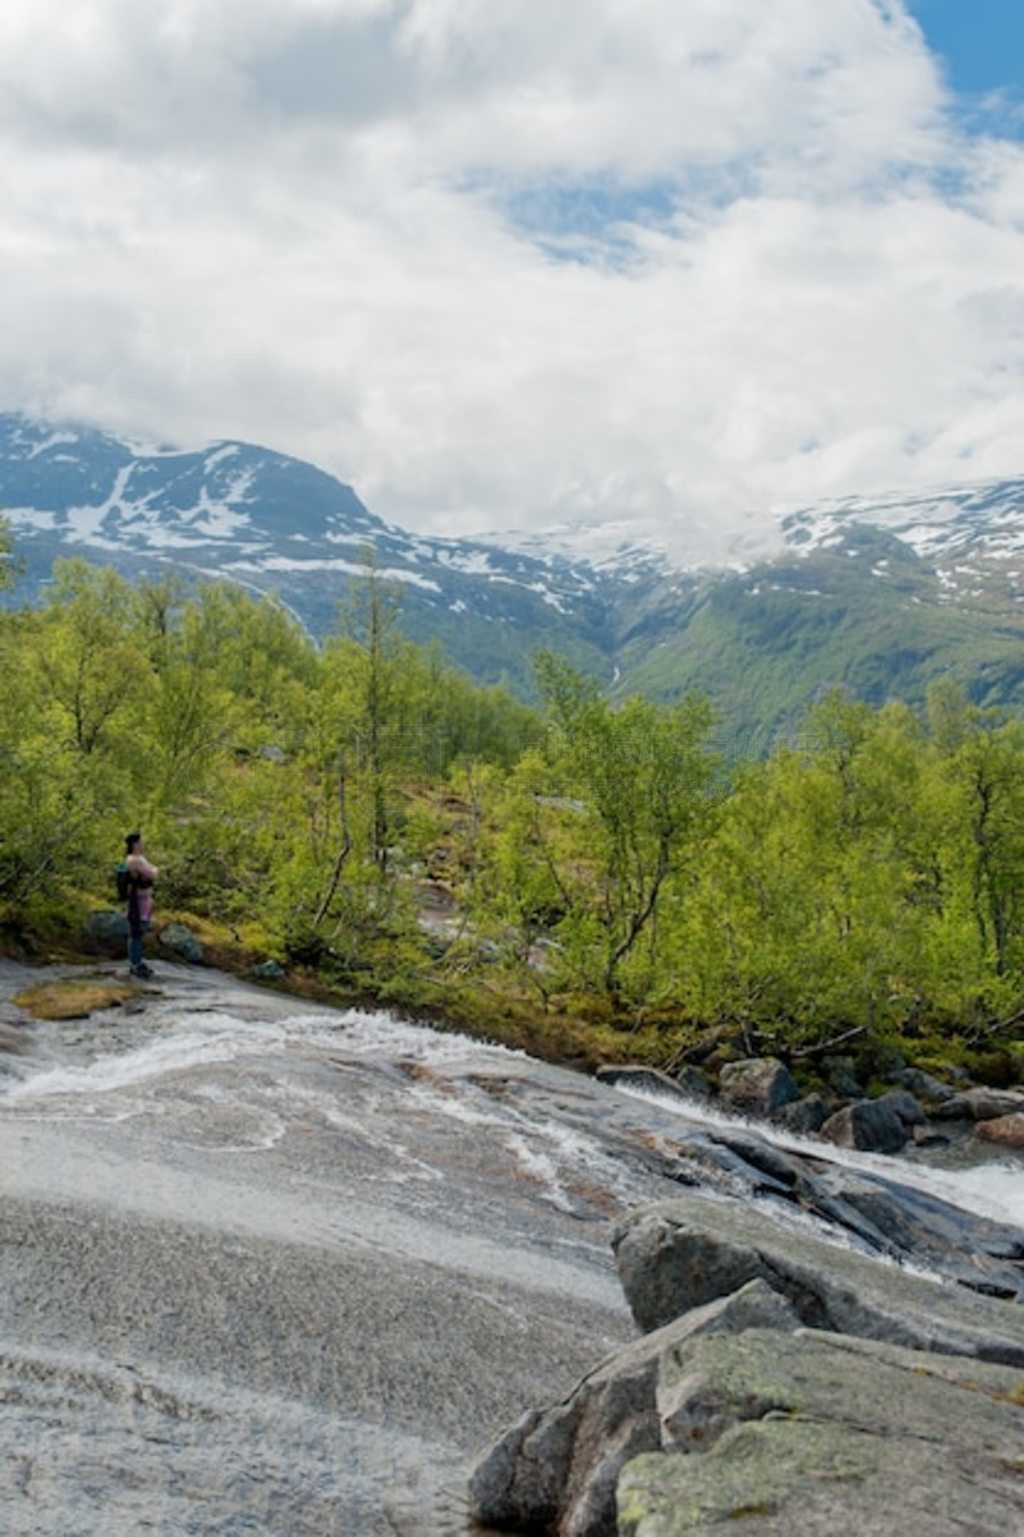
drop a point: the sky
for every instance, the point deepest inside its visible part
(665, 266)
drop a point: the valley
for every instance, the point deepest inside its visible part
(877, 597)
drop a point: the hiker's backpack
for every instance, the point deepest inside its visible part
(123, 881)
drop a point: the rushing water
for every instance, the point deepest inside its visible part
(965, 1172)
(273, 1269)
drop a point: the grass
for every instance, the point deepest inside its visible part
(74, 998)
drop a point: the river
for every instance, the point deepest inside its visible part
(271, 1268)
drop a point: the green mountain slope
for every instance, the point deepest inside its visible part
(867, 614)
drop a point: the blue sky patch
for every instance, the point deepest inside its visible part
(981, 45)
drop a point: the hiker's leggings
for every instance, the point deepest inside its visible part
(136, 947)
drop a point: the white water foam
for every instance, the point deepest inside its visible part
(377, 1033)
(994, 1189)
(223, 1039)
(219, 1036)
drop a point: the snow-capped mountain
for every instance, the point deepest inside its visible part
(972, 536)
(246, 514)
(609, 546)
(878, 595)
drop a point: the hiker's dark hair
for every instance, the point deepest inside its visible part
(130, 842)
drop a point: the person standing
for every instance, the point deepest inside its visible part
(141, 875)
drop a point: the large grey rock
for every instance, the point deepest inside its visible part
(981, 1105)
(909, 1109)
(557, 1469)
(754, 1306)
(759, 1086)
(868, 1124)
(809, 1434)
(107, 928)
(678, 1254)
(804, 1116)
(180, 941)
(922, 1084)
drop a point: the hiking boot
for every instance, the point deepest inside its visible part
(142, 970)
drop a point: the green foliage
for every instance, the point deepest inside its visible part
(640, 776)
(8, 568)
(378, 817)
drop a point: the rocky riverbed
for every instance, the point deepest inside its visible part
(269, 1268)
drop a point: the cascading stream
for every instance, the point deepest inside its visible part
(272, 1268)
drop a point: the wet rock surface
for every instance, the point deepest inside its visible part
(267, 1267)
(255, 1276)
(682, 1253)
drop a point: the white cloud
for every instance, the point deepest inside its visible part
(505, 263)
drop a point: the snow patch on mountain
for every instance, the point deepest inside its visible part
(44, 446)
(343, 567)
(939, 525)
(284, 526)
(30, 518)
(610, 546)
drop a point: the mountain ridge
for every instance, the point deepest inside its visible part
(877, 595)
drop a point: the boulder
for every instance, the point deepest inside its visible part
(811, 1433)
(909, 1109)
(180, 941)
(868, 1124)
(1006, 1130)
(267, 971)
(841, 1077)
(682, 1253)
(558, 1468)
(668, 1267)
(922, 1084)
(754, 1306)
(757, 1086)
(804, 1116)
(107, 928)
(981, 1105)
